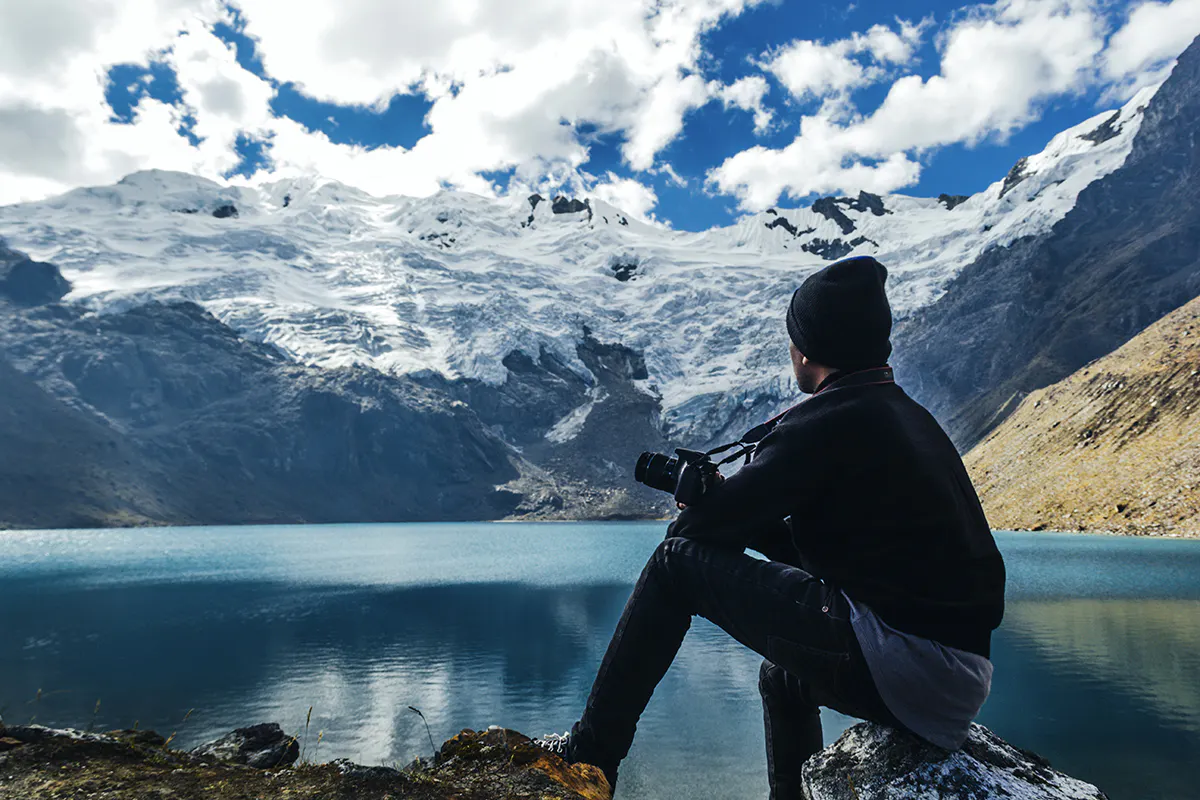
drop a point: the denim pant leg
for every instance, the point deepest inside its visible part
(780, 611)
(791, 727)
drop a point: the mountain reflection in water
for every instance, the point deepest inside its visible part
(1148, 648)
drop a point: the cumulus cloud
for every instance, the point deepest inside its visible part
(999, 65)
(634, 198)
(1142, 52)
(57, 130)
(515, 86)
(812, 69)
(508, 81)
(510, 84)
(748, 94)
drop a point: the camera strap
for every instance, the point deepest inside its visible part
(876, 376)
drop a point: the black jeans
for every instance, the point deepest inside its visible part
(799, 624)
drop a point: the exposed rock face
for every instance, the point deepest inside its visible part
(161, 414)
(1022, 317)
(828, 208)
(1107, 131)
(1114, 447)
(565, 205)
(781, 222)
(834, 249)
(263, 746)
(871, 762)
(952, 200)
(75, 470)
(1015, 175)
(225, 211)
(26, 282)
(624, 270)
(579, 439)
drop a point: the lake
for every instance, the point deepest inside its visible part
(1097, 662)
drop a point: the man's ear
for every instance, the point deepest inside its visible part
(804, 360)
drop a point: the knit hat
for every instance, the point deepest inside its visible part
(840, 317)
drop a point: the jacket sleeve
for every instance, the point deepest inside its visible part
(749, 505)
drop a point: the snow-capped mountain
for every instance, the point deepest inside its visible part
(461, 288)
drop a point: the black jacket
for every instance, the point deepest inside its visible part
(861, 487)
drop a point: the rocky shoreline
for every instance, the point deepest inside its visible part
(868, 762)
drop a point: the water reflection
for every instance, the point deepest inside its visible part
(1091, 675)
(1148, 648)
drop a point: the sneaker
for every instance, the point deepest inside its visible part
(559, 744)
(565, 747)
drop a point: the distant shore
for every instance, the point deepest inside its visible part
(663, 520)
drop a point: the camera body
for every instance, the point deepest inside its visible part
(689, 475)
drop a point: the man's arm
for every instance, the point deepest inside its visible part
(748, 504)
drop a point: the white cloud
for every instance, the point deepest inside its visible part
(1142, 52)
(57, 132)
(508, 84)
(634, 198)
(674, 177)
(748, 94)
(504, 77)
(225, 99)
(813, 70)
(998, 66)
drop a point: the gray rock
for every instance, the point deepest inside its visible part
(872, 762)
(569, 205)
(364, 773)
(952, 200)
(263, 746)
(26, 282)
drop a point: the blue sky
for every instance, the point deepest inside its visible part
(638, 105)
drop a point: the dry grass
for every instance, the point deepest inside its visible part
(1114, 447)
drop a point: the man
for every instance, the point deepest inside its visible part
(884, 582)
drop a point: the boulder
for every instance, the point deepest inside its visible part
(27, 282)
(499, 762)
(263, 746)
(873, 762)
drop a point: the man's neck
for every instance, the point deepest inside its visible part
(828, 379)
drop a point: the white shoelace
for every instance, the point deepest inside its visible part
(554, 742)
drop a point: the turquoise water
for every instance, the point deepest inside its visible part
(1097, 663)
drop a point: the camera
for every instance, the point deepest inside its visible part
(688, 475)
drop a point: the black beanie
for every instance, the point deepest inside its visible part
(840, 317)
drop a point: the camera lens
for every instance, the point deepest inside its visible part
(658, 471)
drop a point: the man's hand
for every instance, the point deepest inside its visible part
(720, 479)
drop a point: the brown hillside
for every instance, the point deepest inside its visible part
(1113, 447)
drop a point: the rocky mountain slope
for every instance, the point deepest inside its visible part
(162, 414)
(1030, 313)
(1115, 446)
(303, 351)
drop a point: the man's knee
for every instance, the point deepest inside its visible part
(666, 555)
(772, 680)
(778, 685)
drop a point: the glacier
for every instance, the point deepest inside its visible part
(453, 283)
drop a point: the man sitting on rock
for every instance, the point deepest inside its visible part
(884, 582)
